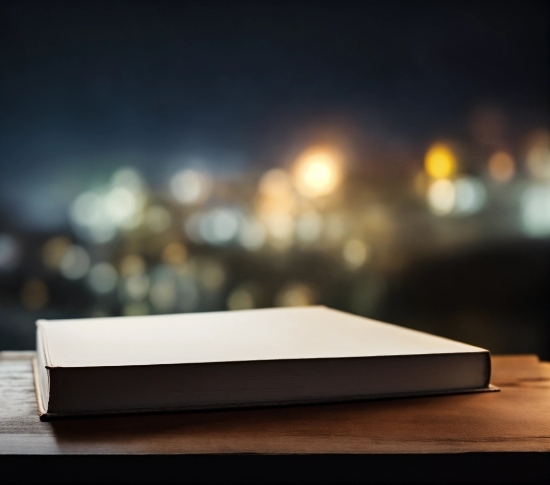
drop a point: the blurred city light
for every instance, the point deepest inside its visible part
(252, 234)
(280, 225)
(441, 196)
(190, 187)
(321, 182)
(132, 264)
(174, 253)
(9, 252)
(440, 161)
(356, 253)
(535, 210)
(318, 172)
(102, 278)
(120, 205)
(98, 215)
(470, 195)
(74, 263)
(192, 227)
(295, 294)
(86, 209)
(219, 226)
(502, 167)
(128, 178)
(137, 286)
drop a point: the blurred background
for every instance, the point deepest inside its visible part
(390, 159)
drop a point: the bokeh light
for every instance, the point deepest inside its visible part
(441, 196)
(137, 286)
(128, 178)
(440, 161)
(502, 167)
(120, 205)
(318, 172)
(74, 263)
(295, 294)
(252, 234)
(98, 215)
(132, 264)
(190, 187)
(102, 278)
(174, 253)
(9, 252)
(356, 253)
(470, 195)
(535, 210)
(348, 180)
(219, 226)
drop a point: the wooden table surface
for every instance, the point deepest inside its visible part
(514, 422)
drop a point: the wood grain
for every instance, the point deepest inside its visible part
(517, 419)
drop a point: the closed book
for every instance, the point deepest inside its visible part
(242, 358)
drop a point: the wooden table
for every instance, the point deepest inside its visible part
(501, 436)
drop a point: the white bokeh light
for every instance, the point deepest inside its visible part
(252, 234)
(219, 226)
(190, 187)
(75, 263)
(102, 278)
(120, 205)
(470, 195)
(535, 210)
(441, 197)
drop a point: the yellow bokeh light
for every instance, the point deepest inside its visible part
(356, 253)
(174, 253)
(318, 172)
(440, 162)
(131, 265)
(295, 294)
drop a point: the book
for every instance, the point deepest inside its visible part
(242, 358)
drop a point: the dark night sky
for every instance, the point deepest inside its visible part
(86, 87)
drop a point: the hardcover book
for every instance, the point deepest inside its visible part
(242, 358)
